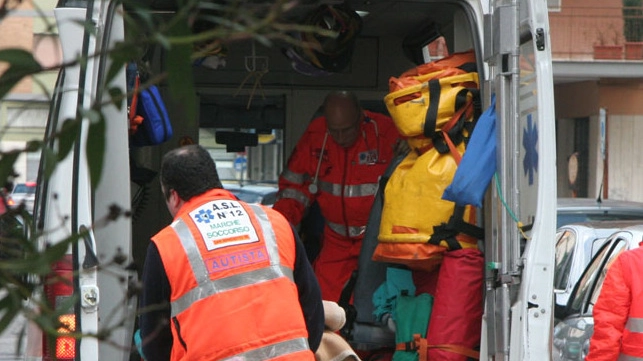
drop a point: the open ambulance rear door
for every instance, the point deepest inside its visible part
(68, 204)
(520, 239)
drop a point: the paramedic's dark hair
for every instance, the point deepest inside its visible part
(190, 171)
(342, 94)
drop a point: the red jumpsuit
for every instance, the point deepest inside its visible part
(618, 313)
(347, 182)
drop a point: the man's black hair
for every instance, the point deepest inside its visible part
(190, 171)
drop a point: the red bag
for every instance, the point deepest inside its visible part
(456, 319)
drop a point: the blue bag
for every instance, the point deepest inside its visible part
(478, 162)
(147, 104)
(156, 126)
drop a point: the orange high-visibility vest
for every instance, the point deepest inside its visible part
(230, 268)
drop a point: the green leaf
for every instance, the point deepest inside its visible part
(19, 58)
(140, 17)
(180, 76)
(92, 115)
(48, 320)
(25, 265)
(124, 52)
(9, 310)
(33, 145)
(49, 162)
(96, 149)
(67, 137)
(21, 64)
(117, 97)
(55, 252)
(45, 321)
(88, 25)
(162, 40)
(7, 160)
(114, 69)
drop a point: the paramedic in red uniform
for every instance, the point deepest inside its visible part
(618, 312)
(226, 280)
(337, 162)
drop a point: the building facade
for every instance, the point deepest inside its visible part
(597, 46)
(23, 113)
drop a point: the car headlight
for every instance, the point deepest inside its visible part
(585, 349)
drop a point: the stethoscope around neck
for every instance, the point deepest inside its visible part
(313, 188)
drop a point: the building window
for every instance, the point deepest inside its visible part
(553, 5)
(27, 116)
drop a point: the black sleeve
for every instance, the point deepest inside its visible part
(309, 295)
(154, 308)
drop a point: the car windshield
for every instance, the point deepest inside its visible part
(601, 278)
(24, 188)
(565, 243)
(247, 197)
(260, 194)
(587, 284)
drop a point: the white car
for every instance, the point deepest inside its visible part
(576, 210)
(254, 193)
(573, 332)
(23, 193)
(583, 224)
(576, 245)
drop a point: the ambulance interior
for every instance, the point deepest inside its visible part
(259, 91)
(253, 91)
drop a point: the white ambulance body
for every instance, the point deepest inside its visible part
(511, 41)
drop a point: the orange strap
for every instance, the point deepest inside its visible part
(421, 345)
(423, 350)
(456, 116)
(447, 127)
(134, 119)
(461, 350)
(133, 105)
(454, 151)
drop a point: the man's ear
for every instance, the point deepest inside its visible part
(174, 200)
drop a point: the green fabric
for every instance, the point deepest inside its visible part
(398, 282)
(413, 315)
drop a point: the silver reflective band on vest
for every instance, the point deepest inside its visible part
(634, 324)
(357, 190)
(293, 177)
(351, 231)
(623, 357)
(271, 351)
(294, 194)
(206, 287)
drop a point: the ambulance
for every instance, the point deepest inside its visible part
(248, 99)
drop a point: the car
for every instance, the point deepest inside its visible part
(576, 244)
(583, 224)
(23, 193)
(572, 334)
(576, 210)
(265, 194)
